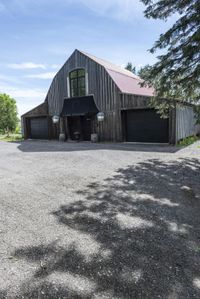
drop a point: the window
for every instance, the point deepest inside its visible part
(77, 83)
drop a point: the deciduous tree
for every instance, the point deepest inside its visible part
(8, 114)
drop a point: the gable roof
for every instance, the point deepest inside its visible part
(126, 81)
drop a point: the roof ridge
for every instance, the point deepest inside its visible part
(120, 69)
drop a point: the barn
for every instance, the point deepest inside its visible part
(87, 87)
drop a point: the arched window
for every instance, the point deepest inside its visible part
(77, 83)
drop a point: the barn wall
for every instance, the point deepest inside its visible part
(129, 101)
(110, 128)
(185, 123)
(100, 84)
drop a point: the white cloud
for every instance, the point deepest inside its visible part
(19, 92)
(11, 79)
(119, 9)
(44, 76)
(27, 98)
(55, 66)
(26, 65)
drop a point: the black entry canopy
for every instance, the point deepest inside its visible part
(79, 106)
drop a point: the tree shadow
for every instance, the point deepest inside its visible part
(48, 290)
(145, 220)
(3, 294)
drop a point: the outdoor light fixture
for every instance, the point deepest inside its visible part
(100, 116)
(55, 119)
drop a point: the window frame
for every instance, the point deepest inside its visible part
(77, 88)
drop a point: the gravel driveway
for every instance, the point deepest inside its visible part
(99, 221)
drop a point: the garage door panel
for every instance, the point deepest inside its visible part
(39, 128)
(146, 126)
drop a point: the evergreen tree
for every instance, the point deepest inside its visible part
(176, 75)
(130, 67)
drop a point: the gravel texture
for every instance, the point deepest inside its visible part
(99, 221)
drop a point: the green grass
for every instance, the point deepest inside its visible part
(11, 137)
(188, 141)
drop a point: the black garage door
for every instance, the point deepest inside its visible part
(145, 125)
(39, 128)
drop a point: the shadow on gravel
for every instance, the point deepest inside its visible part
(144, 222)
(49, 291)
(3, 294)
(55, 146)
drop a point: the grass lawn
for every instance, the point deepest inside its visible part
(11, 137)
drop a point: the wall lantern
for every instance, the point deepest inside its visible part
(100, 116)
(55, 119)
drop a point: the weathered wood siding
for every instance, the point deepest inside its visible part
(40, 110)
(172, 126)
(185, 123)
(100, 84)
(129, 101)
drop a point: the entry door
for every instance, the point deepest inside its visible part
(145, 125)
(81, 124)
(86, 128)
(74, 125)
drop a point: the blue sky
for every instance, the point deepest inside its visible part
(37, 37)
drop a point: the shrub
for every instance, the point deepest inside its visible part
(188, 141)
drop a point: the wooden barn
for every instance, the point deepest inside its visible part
(92, 96)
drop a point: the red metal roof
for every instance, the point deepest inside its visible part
(126, 81)
(130, 85)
